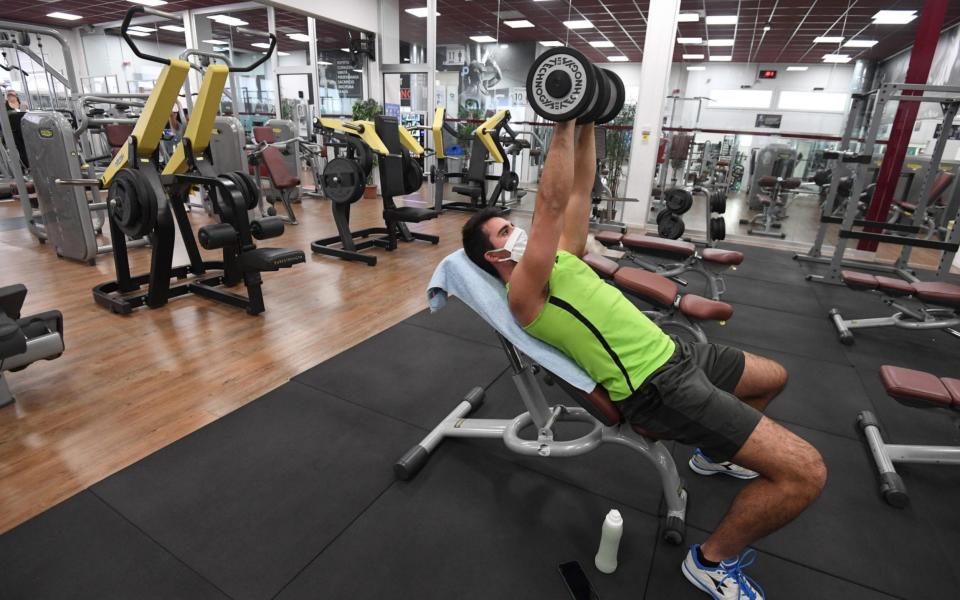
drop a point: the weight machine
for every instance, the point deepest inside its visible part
(344, 179)
(843, 160)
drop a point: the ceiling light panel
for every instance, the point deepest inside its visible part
(720, 43)
(827, 39)
(797, 68)
(721, 58)
(228, 20)
(894, 17)
(64, 16)
(601, 44)
(722, 20)
(617, 58)
(483, 39)
(860, 43)
(689, 17)
(690, 40)
(299, 37)
(582, 24)
(836, 58)
(692, 57)
(550, 44)
(176, 28)
(521, 24)
(149, 2)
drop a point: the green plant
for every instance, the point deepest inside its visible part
(366, 110)
(618, 146)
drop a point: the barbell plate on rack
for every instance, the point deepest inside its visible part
(670, 225)
(678, 200)
(618, 96)
(343, 181)
(718, 229)
(561, 84)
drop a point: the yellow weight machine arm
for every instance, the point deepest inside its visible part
(366, 131)
(200, 126)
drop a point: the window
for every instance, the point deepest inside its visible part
(813, 101)
(740, 98)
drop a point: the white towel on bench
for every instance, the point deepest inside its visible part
(456, 275)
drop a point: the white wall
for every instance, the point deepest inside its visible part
(359, 14)
(731, 76)
(110, 55)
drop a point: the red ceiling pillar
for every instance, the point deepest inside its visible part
(921, 57)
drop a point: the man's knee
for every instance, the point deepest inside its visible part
(778, 378)
(807, 472)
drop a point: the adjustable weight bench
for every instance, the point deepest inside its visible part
(456, 275)
(708, 262)
(271, 159)
(919, 390)
(672, 309)
(912, 301)
(26, 340)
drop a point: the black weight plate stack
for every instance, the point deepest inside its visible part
(600, 99)
(412, 175)
(718, 228)
(618, 96)
(561, 84)
(133, 206)
(343, 181)
(362, 153)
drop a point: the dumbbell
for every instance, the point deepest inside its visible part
(562, 85)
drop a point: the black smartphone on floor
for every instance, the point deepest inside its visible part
(577, 582)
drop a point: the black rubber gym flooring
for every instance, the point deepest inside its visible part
(293, 496)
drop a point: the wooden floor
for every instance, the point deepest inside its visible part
(129, 385)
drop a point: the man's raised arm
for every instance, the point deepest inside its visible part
(529, 281)
(576, 221)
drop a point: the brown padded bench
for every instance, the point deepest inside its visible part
(933, 292)
(671, 248)
(940, 185)
(920, 389)
(658, 290)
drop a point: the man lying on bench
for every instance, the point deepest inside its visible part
(706, 395)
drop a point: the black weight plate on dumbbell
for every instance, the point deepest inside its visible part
(362, 153)
(678, 200)
(513, 182)
(718, 202)
(670, 226)
(600, 98)
(718, 228)
(252, 189)
(561, 84)
(343, 180)
(618, 96)
(607, 114)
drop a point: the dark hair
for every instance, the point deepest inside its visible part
(476, 243)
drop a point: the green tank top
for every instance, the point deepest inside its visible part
(593, 323)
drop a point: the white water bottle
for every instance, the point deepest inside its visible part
(606, 559)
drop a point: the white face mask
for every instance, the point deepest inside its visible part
(515, 245)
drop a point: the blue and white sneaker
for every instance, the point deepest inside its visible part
(726, 581)
(701, 463)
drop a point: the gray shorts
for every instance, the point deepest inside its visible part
(690, 399)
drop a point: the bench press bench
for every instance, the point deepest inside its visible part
(708, 262)
(912, 300)
(456, 275)
(919, 390)
(672, 309)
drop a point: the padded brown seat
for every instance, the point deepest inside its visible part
(704, 309)
(655, 288)
(938, 292)
(918, 386)
(790, 183)
(657, 244)
(117, 135)
(905, 205)
(280, 176)
(858, 280)
(894, 287)
(605, 410)
(767, 181)
(608, 238)
(601, 264)
(722, 257)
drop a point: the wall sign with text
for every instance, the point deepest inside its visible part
(770, 121)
